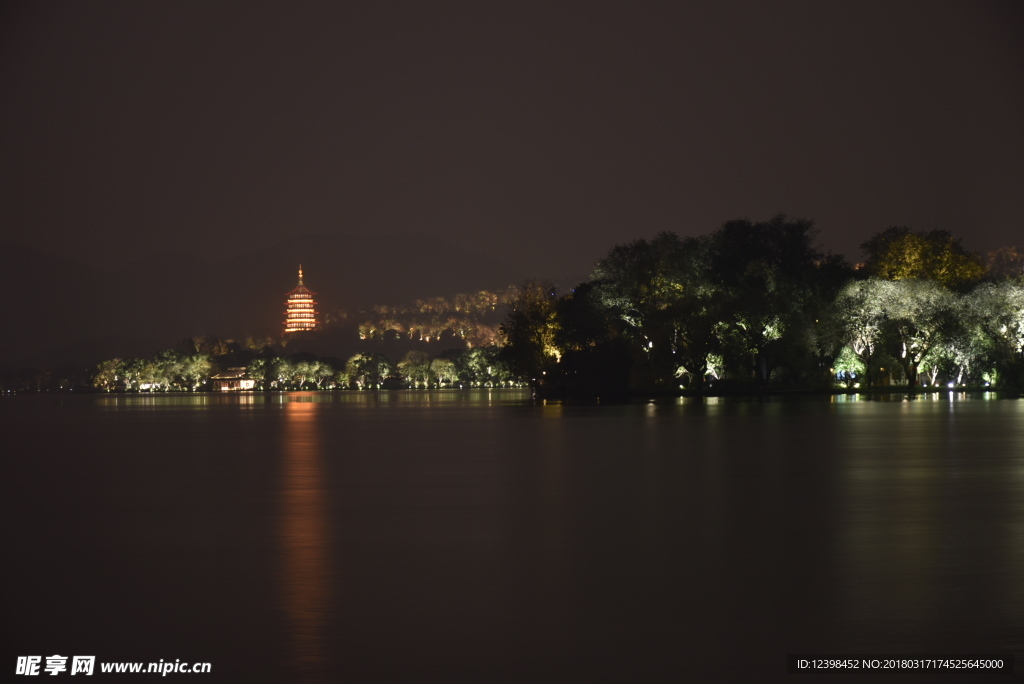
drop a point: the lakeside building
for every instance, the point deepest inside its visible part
(232, 379)
(300, 311)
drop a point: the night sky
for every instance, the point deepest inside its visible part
(539, 134)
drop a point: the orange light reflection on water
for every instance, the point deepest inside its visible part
(304, 542)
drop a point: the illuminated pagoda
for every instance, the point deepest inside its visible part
(300, 314)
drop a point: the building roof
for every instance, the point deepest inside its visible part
(301, 288)
(230, 374)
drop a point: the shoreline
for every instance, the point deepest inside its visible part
(619, 398)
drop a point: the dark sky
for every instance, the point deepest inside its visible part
(540, 133)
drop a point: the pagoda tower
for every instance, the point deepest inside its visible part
(300, 314)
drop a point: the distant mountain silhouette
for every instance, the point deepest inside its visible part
(59, 312)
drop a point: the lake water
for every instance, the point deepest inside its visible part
(478, 536)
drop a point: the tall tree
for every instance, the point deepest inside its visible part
(484, 367)
(320, 371)
(999, 308)
(415, 368)
(108, 375)
(860, 310)
(530, 331)
(767, 274)
(1006, 262)
(659, 292)
(368, 370)
(920, 315)
(896, 253)
(444, 370)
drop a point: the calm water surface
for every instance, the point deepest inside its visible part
(423, 536)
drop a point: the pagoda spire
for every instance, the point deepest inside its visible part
(300, 275)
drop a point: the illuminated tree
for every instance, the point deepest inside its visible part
(108, 374)
(964, 353)
(209, 345)
(261, 371)
(165, 370)
(258, 343)
(191, 372)
(132, 372)
(661, 296)
(860, 310)
(848, 366)
(281, 373)
(173, 368)
(999, 308)
(913, 321)
(368, 370)
(769, 279)
(319, 372)
(301, 370)
(151, 377)
(596, 355)
(531, 329)
(920, 315)
(415, 368)
(898, 254)
(368, 330)
(445, 371)
(634, 279)
(483, 367)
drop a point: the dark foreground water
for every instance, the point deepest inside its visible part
(402, 537)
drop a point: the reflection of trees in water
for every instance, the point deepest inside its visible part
(304, 543)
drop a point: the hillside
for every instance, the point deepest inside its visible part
(69, 313)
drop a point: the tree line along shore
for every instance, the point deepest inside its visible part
(750, 307)
(755, 307)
